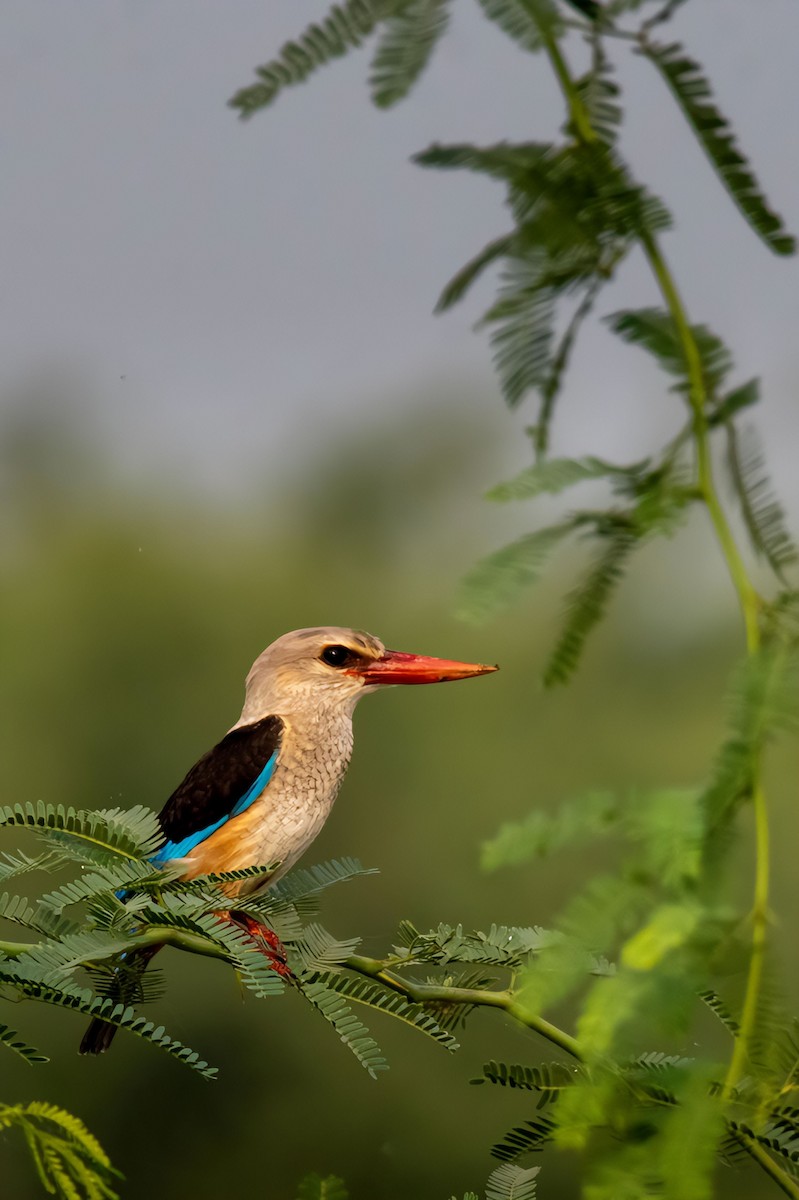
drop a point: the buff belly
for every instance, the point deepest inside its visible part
(272, 830)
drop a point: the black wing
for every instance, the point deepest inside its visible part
(216, 783)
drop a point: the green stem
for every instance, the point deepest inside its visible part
(698, 397)
(155, 935)
(579, 113)
(750, 608)
(12, 949)
(373, 968)
(182, 939)
(426, 993)
(772, 1168)
(748, 598)
(757, 958)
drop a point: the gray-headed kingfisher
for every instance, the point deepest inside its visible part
(263, 793)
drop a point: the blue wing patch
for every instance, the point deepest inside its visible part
(185, 846)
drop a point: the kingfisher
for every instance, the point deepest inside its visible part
(262, 794)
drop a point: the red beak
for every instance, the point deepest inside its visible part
(395, 667)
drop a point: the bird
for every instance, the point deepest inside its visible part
(261, 795)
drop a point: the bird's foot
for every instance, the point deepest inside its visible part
(266, 939)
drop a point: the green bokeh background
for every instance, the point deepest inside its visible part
(130, 611)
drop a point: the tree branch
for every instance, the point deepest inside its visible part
(427, 993)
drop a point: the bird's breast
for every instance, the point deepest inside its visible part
(283, 821)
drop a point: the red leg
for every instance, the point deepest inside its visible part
(265, 938)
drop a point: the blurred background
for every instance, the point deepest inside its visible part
(225, 412)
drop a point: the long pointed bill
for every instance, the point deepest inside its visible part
(395, 667)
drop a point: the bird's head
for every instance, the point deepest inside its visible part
(336, 666)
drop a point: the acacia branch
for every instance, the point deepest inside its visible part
(430, 993)
(772, 1168)
(748, 598)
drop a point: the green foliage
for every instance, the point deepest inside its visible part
(314, 1187)
(9, 1039)
(374, 996)
(501, 945)
(524, 1139)
(20, 864)
(541, 833)
(345, 27)
(69, 1161)
(523, 318)
(639, 951)
(655, 500)
(510, 1182)
(692, 92)
(762, 513)
(577, 212)
(554, 475)
(761, 703)
(129, 905)
(588, 602)
(656, 331)
(547, 1079)
(599, 94)
(501, 577)
(353, 1033)
(529, 22)
(102, 836)
(406, 42)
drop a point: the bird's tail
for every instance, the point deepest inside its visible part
(127, 990)
(98, 1037)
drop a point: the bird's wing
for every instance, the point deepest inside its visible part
(221, 785)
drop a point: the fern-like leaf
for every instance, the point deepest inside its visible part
(309, 881)
(548, 1079)
(318, 950)
(763, 515)
(345, 27)
(523, 328)
(27, 980)
(131, 874)
(41, 919)
(70, 1161)
(529, 22)
(761, 702)
(10, 1039)
(532, 1135)
(99, 835)
(776, 1136)
(499, 579)
(554, 475)
(353, 1033)
(315, 1187)
(551, 385)
(501, 945)
(256, 969)
(406, 43)
(654, 330)
(214, 879)
(460, 283)
(734, 402)
(510, 1182)
(599, 94)
(542, 833)
(692, 92)
(587, 604)
(371, 994)
(719, 1008)
(21, 864)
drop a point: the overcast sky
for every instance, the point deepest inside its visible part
(237, 292)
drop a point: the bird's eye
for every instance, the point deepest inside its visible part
(336, 656)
